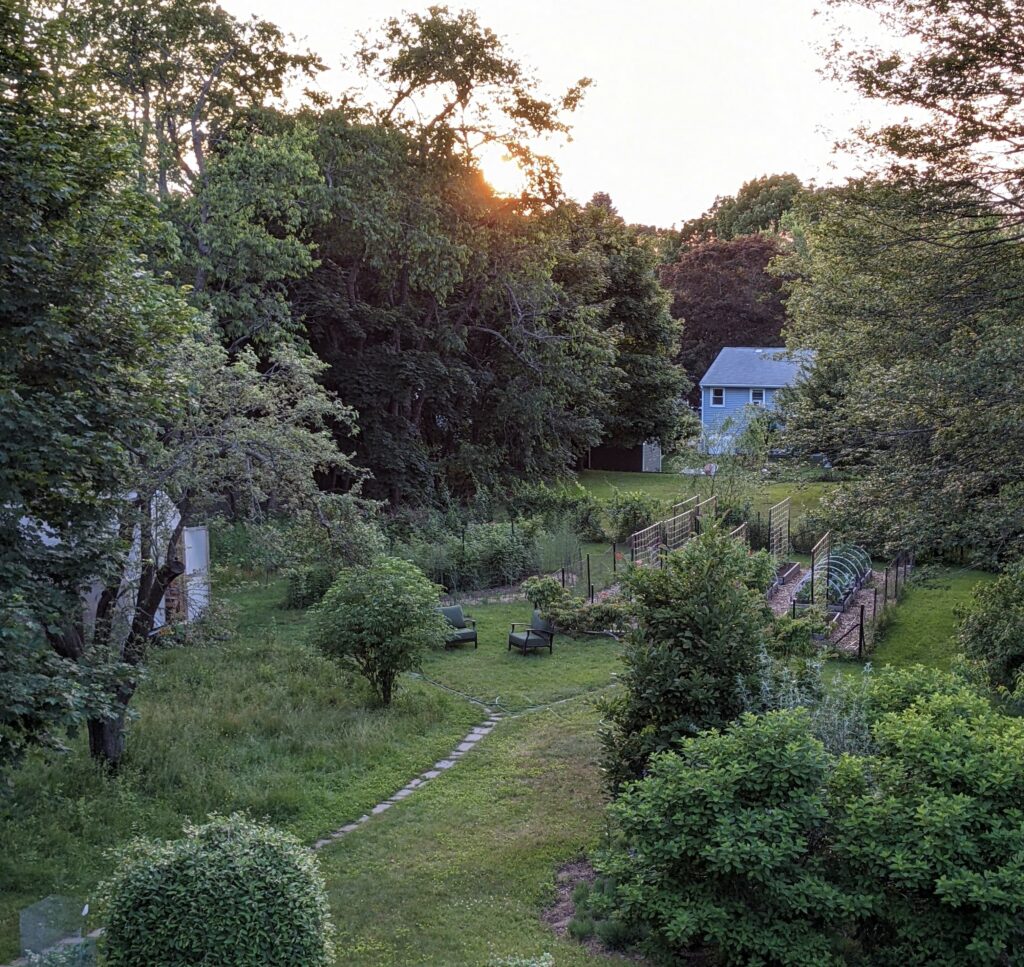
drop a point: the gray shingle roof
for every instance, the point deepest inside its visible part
(746, 366)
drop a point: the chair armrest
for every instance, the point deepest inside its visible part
(469, 620)
(542, 632)
(514, 623)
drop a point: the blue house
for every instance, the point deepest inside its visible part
(741, 380)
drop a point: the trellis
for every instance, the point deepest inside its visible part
(706, 508)
(680, 526)
(778, 531)
(645, 545)
(741, 533)
(821, 555)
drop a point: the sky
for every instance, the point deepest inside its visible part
(691, 98)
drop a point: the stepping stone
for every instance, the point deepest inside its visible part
(472, 737)
(432, 774)
(350, 828)
(413, 783)
(444, 764)
(320, 843)
(464, 746)
(363, 819)
(402, 793)
(380, 807)
(481, 732)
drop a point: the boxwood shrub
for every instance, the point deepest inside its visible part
(230, 893)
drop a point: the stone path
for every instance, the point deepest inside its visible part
(468, 743)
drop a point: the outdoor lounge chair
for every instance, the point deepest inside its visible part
(539, 634)
(463, 629)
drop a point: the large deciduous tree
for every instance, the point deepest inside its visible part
(909, 287)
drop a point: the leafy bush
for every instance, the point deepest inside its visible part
(632, 510)
(991, 629)
(483, 556)
(69, 955)
(762, 844)
(701, 620)
(574, 615)
(305, 585)
(231, 893)
(379, 619)
(560, 502)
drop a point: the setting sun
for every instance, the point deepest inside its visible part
(501, 171)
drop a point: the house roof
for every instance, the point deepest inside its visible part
(747, 366)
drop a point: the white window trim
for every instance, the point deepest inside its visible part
(764, 398)
(718, 389)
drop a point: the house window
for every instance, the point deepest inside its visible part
(718, 396)
(757, 397)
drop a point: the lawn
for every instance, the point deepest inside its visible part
(512, 681)
(260, 722)
(922, 630)
(673, 486)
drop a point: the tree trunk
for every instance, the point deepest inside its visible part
(106, 740)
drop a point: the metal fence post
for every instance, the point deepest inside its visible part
(614, 566)
(563, 577)
(874, 604)
(813, 556)
(860, 639)
(589, 585)
(885, 597)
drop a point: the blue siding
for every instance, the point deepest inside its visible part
(717, 436)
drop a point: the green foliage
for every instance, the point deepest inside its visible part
(558, 502)
(379, 619)
(701, 619)
(572, 614)
(483, 556)
(630, 511)
(738, 867)
(231, 892)
(991, 631)
(901, 853)
(895, 282)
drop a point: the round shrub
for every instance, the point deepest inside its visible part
(379, 620)
(231, 893)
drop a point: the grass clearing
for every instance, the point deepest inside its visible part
(262, 723)
(922, 629)
(513, 681)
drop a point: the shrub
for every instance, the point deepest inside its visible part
(307, 584)
(574, 615)
(379, 619)
(701, 620)
(231, 893)
(762, 844)
(992, 627)
(630, 511)
(481, 556)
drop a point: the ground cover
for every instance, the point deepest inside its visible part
(260, 722)
(460, 872)
(922, 629)
(806, 495)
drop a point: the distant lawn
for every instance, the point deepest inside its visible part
(922, 629)
(675, 486)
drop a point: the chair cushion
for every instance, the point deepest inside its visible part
(454, 615)
(522, 641)
(462, 634)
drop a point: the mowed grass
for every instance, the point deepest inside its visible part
(805, 496)
(922, 629)
(461, 871)
(513, 681)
